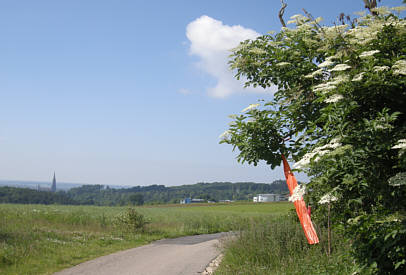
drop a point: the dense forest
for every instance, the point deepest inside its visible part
(138, 195)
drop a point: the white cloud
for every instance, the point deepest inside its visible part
(212, 41)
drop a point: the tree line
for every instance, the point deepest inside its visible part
(155, 194)
(103, 195)
(31, 196)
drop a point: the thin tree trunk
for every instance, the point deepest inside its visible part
(281, 12)
(329, 231)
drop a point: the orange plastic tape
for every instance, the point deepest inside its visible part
(300, 206)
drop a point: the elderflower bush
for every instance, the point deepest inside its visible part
(340, 113)
(298, 193)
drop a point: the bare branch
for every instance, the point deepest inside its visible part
(310, 16)
(281, 12)
(371, 4)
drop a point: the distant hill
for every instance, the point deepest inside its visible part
(26, 192)
(215, 191)
(34, 184)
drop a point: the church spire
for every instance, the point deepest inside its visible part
(53, 187)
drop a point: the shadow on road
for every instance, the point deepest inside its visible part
(191, 240)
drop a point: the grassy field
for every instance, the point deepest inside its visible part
(39, 239)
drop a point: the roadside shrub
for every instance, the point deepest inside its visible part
(339, 113)
(131, 221)
(380, 244)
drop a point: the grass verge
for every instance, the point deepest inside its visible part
(278, 246)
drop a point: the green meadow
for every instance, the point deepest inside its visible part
(42, 239)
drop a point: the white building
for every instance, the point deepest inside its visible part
(190, 200)
(266, 198)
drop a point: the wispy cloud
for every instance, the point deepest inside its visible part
(212, 41)
(185, 91)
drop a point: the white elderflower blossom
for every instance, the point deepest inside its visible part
(327, 198)
(324, 87)
(326, 63)
(383, 126)
(361, 35)
(317, 153)
(381, 10)
(339, 79)
(310, 41)
(275, 43)
(334, 140)
(250, 107)
(297, 17)
(325, 149)
(340, 67)
(368, 53)
(298, 193)
(399, 9)
(282, 64)
(400, 64)
(333, 144)
(380, 68)
(399, 67)
(360, 13)
(401, 145)
(334, 98)
(257, 51)
(313, 74)
(304, 162)
(399, 72)
(318, 20)
(331, 33)
(225, 135)
(331, 58)
(358, 77)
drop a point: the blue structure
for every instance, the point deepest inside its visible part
(186, 201)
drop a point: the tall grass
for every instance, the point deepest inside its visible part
(278, 246)
(40, 239)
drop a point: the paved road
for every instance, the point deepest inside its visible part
(186, 256)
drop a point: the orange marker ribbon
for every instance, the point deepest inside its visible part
(300, 206)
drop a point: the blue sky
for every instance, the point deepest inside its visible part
(130, 92)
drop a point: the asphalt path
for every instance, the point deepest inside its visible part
(185, 255)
